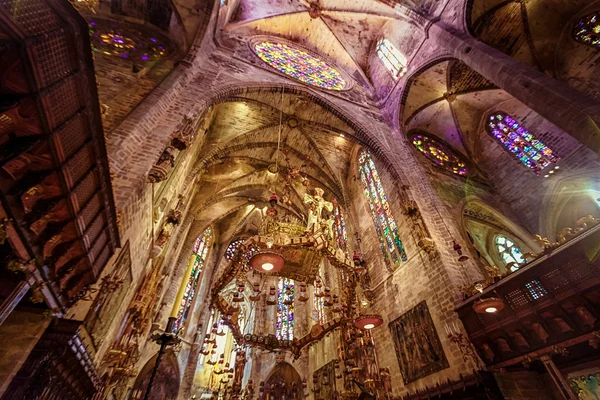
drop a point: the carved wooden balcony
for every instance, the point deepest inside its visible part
(551, 306)
(55, 190)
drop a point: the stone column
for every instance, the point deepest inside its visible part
(568, 109)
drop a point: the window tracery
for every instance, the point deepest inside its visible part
(394, 61)
(439, 154)
(319, 309)
(520, 142)
(509, 252)
(135, 45)
(385, 225)
(233, 248)
(300, 65)
(284, 329)
(199, 255)
(587, 30)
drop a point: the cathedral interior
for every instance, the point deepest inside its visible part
(299, 199)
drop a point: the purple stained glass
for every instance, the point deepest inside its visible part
(587, 30)
(439, 154)
(300, 65)
(385, 225)
(284, 328)
(128, 43)
(520, 142)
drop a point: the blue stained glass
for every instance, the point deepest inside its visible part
(385, 225)
(519, 141)
(284, 328)
(587, 30)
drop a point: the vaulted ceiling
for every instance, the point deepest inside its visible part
(540, 33)
(343, 31)
(448, 100)
(243, 142)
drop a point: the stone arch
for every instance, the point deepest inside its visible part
(166, 382)
(410, 80)
(363, 135)
(284, 374)
(571, 198)
(481, 224)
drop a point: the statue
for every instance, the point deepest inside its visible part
(328, 231)
(160, 171)
(316, 204)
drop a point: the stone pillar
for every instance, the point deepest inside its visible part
(562, 386)
(568, 109)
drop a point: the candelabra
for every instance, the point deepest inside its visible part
(165, 339)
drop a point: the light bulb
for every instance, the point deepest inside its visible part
(491, 309)
(267, 266)
(369, 326)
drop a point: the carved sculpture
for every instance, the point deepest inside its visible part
(173, 219)
(424, 240)
(160, 171)
(316, 204)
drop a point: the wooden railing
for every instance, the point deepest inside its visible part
(549, 305)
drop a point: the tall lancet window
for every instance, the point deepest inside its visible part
(284, 328)
(385, 225)
(587, 30)
(520, 142)
(341, 236)
(199, 255)
(390, 56)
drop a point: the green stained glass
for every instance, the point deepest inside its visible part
(385, 225)
(199, 253)
(439, 154)
(300, 65)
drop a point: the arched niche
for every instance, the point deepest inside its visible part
(166, 382)
(571, 199)
(283, 383)
(483, 225)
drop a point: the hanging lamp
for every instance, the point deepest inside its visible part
(367, 318)
(490, 305)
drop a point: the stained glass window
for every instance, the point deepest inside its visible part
(284, 329)
(137, 46)
(439, 154)
(199, 254)
(390, 56)
(587, 30)
(536, 290)
(389, 239)
(233, 248)
(509, 252)
(319, 309)
(341, 236)
(300, 65)
(519, 141)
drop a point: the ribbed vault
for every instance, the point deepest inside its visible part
(255, 131)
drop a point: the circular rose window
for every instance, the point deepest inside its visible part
(300, 65)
